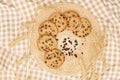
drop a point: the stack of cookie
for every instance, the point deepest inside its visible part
(57, 23)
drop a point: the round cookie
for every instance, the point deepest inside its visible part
(48, 28)
(46, 43)
(59, 20)
(73, 23)
(84, 29)
(73, 19)
(54, 59)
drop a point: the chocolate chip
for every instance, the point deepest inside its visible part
(42, 47)
(46, 41)
(45, 61)
(61, 15)
(49, 39)
(85, 29)
(63, 23)
(66, 49)
(63, 47)
(42, 42)
(65, 39)
(73, 15)
(75, 55)
(57, 39)
(55, 19)
(83, 35)
(45, 25)
(73, 20)
(70, 41)
(57, 52)
(82, 43)
(69, 53)
(56, 61)
(81, 52)
(41, 30)
(60, 45)
(61, 54)
(76, 44)
(72, 51)
(75, 48)
(75, 40)
(88, 26)
(65, 44)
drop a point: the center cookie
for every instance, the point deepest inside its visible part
(48, 27)
(84, 29)
(54, 59)
(46, 43)
(59, 20)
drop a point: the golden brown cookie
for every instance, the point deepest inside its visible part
(54, 59)
(72, 18)
(46, 43)
(84, 29)
(59, 20)
(48, 28)
(73, 23)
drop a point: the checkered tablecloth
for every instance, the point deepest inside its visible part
(15, 12)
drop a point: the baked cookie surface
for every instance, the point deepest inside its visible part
(54, 58)
(47, 27)
(84, 28)
(46, 43)
(59, 20)
(72, 18)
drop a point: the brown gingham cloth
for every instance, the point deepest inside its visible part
(15, 12)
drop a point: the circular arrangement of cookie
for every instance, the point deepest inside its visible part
(48, 27)
(84, 28)
(54, 58)
(59, 40)
(59, 20)
(46, 43)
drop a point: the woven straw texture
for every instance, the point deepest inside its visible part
(15, 12)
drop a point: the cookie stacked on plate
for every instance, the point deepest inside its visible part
(56, 23)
